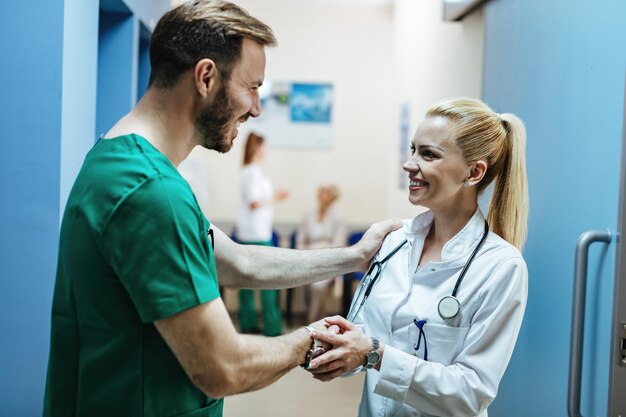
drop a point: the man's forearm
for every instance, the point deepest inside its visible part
(268, 267)
(249, 266)
(264, 360)
(222, 362)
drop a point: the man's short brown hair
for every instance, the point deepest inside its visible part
(199, 29)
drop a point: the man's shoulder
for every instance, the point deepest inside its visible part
(119, 169)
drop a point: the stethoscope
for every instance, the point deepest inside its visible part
(448, 307)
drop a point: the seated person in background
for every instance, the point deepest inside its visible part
(322, 228)
(442, 317)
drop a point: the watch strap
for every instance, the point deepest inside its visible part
(316, 349)
(373, 353)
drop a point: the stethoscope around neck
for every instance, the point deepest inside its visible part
(448, 307)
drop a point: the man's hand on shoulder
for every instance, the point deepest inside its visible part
(373, 239)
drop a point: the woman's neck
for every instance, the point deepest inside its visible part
(447, 223)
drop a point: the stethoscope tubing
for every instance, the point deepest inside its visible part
(379, 264)
(471, 258)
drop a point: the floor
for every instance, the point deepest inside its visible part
(298, 394)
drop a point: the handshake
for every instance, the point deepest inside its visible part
(338, 347)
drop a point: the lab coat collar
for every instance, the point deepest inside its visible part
(459, 245)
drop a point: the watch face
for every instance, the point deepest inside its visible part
(316, 351)
(373, 357)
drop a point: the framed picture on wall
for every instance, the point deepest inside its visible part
(295, 115)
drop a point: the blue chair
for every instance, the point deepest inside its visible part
(348, 279)
(275, 239)
(292, 239)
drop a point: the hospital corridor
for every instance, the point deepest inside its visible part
(313, 208)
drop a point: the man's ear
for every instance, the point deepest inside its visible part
(477, 172)
(206, 77)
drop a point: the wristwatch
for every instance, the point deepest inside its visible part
(314, 351)
(373, 356)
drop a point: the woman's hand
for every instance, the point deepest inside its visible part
(280, 195)
(324, 326)
(349, 350)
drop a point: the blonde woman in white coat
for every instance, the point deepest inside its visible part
(420, 360)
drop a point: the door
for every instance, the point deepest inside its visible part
(617, 363)
(560, 65)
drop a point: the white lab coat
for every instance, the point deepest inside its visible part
(255, 225)
(467, 355)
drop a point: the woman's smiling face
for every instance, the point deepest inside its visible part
(436, 167)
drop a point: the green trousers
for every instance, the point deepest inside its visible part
(272, 317)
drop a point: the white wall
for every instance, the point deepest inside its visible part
(377, 56)
(434, 60)
(351, 47)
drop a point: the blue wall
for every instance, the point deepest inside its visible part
(30, 116)
(147, 12)
(144, 62)
(560, 66)
(117, 68)
(123, 56)
(48, 117)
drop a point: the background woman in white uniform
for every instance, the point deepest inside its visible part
(254, 227)
(424, 362)
(323, 227)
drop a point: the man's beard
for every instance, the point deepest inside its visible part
(213, 122)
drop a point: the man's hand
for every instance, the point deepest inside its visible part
(349, 350)
(324, 326)
(373, 239)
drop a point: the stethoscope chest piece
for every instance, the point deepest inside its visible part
(448, 307)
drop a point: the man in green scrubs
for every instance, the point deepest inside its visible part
(138, 325)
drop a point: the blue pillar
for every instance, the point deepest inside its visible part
(80, 65)
(48, 87)
(30, 159)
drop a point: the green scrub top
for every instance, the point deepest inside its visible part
(134, 248)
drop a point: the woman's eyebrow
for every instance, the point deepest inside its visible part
(431, 146)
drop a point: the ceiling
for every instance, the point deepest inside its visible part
(335, 2)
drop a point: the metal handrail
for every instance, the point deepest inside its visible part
(578, 315)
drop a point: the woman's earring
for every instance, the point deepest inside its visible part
(465, 183)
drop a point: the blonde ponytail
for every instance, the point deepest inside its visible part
(508, 208)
